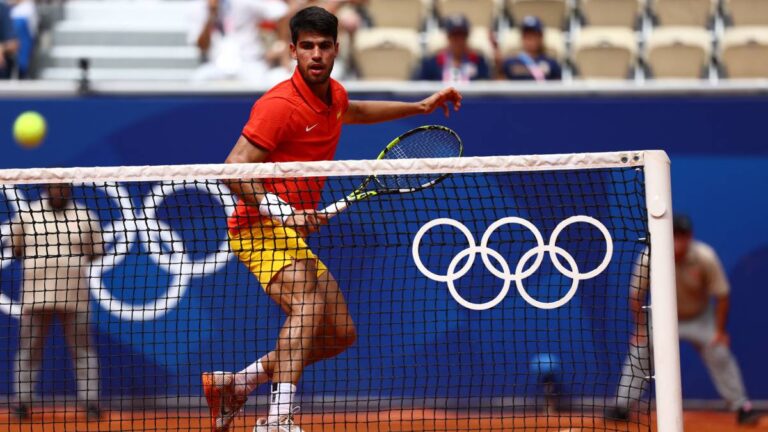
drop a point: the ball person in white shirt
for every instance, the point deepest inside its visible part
(703, 303)
(56, 239)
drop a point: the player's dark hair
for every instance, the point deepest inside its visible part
(316, 20)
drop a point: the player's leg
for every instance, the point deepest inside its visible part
(295, 289)
(337, 333)
(338, 330)
(33, 327)
(77, 334)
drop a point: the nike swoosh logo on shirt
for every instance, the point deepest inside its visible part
(309, 128)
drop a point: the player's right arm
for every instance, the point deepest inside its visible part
(252, 191)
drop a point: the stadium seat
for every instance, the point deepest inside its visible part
(745, 52)
(479, 39)
(397, 13)
(480, 13)
(553, 13)
(679, 52)
(386, 53)
(694, 13)
(611, 13)
(509, 43)
(747, 12)
(605, 52)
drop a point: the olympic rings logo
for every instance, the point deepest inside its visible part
(503, 270)
(164, 246)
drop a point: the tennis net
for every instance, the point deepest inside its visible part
(495, 300)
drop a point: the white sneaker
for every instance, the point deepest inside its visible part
(284, 425)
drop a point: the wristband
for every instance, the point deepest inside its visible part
(274, 207)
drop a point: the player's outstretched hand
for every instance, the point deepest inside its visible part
(442, 99)
(306, 222)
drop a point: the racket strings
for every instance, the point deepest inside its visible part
(423, 143)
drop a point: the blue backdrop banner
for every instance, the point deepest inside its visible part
(720, 172)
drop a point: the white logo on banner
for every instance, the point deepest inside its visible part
(164, 246)
(503, 271)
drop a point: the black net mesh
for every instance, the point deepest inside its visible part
(492, 301)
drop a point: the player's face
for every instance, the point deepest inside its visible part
(314, 53)
(682, 242)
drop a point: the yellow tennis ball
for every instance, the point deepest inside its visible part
(29, 129)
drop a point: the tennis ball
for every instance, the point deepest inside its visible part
(29, 129)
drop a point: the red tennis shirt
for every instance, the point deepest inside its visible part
(294, 125)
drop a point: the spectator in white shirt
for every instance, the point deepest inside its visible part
(228, 35)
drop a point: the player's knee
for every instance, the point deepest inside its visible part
(312, 304)
(346, 336)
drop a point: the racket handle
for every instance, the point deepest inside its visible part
(336, 208)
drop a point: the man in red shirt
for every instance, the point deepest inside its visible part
(297, 120)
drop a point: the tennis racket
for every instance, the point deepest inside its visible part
(422, 142)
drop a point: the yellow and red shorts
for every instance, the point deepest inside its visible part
(269, 247)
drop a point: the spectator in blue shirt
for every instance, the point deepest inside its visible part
(532, 63)
(8, 43)
(458, 62)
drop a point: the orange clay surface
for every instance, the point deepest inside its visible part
(51, 419)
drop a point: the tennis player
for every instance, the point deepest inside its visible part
(298, 120)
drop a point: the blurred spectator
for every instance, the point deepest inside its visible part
(228, 35)
(25, 23)
(8, 42)
(350, 14)
(57, 240)
(532, 63)
(458, 62)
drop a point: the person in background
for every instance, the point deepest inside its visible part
(227, 32)
(458, 62)
(9, 44)
(700, 279)
(56, 240)
(532, 62)
(25, 23)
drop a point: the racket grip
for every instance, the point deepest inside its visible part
(336, 208)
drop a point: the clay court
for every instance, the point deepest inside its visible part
(395, 421)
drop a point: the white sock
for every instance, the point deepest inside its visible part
(249, 378)
(281, 402)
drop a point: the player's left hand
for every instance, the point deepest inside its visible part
(721, 338)
(442, 99)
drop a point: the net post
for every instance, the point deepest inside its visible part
(666, 352)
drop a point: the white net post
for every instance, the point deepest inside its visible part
(666, 352)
